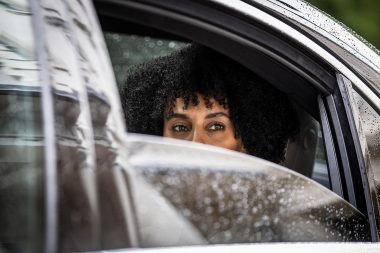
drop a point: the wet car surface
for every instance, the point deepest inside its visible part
(73, 179)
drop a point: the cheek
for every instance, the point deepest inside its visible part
(166, 132)
(226, 140)
(233, 144)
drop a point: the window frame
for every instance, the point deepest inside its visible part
(188, 20)
(348, 152)
(315, 78)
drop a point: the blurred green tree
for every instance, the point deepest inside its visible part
(362, 16)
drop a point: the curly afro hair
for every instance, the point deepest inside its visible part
(263, 117)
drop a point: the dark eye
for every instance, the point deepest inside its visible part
(180, 128)
(216, 127)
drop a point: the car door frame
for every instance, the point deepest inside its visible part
(256, 34)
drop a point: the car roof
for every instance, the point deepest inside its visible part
(358, 54)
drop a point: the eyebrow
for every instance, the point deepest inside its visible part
(217, 114)
(184, 116)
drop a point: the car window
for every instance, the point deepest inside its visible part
(228, 197)
(127, 51)
(210, 209)
(21, 138)
(189, 177)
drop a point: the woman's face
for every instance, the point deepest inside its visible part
(211, 126)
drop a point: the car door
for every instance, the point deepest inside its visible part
(289, 61)
(72, 180)
(62, 156)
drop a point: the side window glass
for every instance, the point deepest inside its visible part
(229, 198)
(367, 122)
(21, 139)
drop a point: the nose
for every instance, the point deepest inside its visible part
(198, 137)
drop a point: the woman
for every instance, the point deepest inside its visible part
(200, 95)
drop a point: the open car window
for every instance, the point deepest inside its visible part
(128, 50)
(305, 153)
(216, 195)
(213, 195)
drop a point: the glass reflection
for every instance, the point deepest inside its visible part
(78, 208)
(88, 129)
(108, 130)
(21, 137)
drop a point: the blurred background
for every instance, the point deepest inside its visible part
(362, 16)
